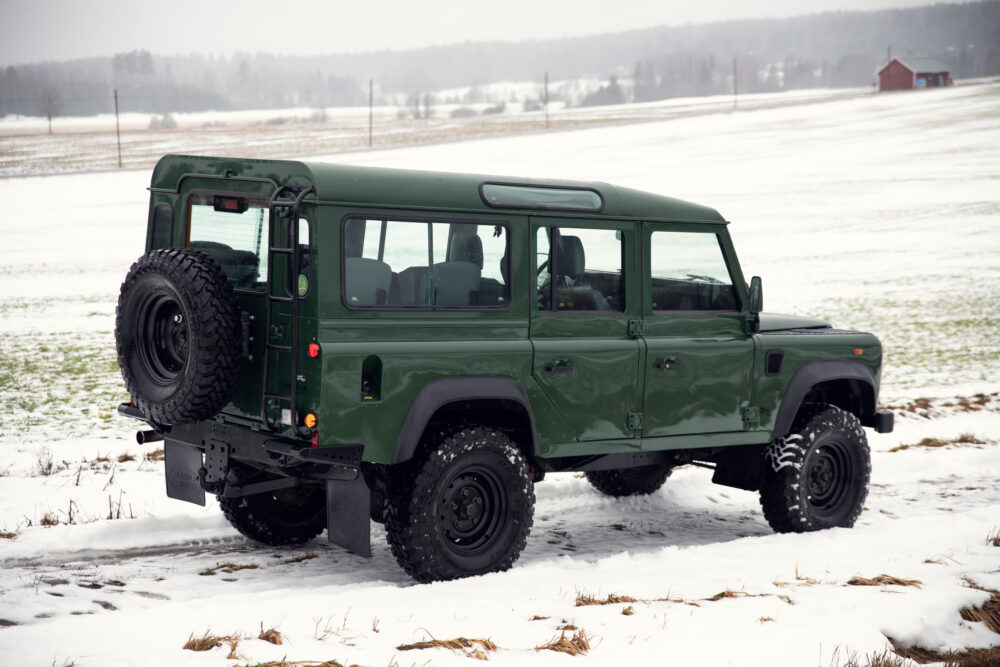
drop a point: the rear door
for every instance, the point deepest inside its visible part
(585, 360)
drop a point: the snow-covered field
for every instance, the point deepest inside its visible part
(879, 213)
(89, 143)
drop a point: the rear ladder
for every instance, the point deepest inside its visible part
(270, 299)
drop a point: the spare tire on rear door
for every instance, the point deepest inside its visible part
(178, 335)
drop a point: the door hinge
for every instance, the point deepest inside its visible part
(751, 417)
(633, 421)
(635, 328)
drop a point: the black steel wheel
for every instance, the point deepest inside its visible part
(817, 476)
(287, 516)
(178, 336)
(638, 481)
(463, 508)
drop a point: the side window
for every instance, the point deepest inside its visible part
(583, 273)
(416, 264)
(688, 272)
(163, 226)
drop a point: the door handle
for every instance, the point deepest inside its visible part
(559, 367)
(667, 364)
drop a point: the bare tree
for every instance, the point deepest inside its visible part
(49, 105)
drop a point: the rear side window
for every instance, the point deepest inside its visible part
(402, 264)
(689, 272)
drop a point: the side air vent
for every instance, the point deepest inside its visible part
(772, 362)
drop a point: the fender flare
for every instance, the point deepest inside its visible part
(813, 373)
(439, 393)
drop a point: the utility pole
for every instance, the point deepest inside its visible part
(118, 130)
(371, 101)
(546, 100)
(735, 84)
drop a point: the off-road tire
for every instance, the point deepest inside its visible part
(638, 481)
(817, 476)
(178, 336)
(286, 516)
(436, 527)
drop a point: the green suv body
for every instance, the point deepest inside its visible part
(322, 345)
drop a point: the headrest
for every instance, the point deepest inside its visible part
(354, 237)
(570, 261)
(466, 248)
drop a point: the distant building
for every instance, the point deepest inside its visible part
(909, 73)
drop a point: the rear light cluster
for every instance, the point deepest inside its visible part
(309, 421)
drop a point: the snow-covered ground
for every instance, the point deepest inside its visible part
(878, 213)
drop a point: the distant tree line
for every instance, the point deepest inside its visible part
(822, 50)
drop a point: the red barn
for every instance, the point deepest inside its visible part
(908, 73)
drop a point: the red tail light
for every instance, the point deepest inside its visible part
(315, 440)
(313, 350)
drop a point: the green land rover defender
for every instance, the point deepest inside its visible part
(322, 346)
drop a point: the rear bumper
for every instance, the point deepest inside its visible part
(260, 448)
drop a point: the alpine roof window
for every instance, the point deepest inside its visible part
(543, 197)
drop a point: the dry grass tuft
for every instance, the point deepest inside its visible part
(457, 644)
(726, 594)
(298, 663)
(988, 657)
(583, 600)
(993, 538)
(302, 557)
(207, 641)
(536, 617)
(155, 455)
(964, 439)
(884, 659)
(4, 535)
(125, 458)
(271, 635)
(578, 644)
(628, 611)
(233, 655)
(989, 613)
(883, 580)
(228, 568)
(765, 619)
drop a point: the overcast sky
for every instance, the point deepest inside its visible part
(41, 30)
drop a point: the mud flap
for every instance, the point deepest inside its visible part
(348, 515)
(182, 465)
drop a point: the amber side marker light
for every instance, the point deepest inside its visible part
(309, 420)
(858, 351)
(313, 350)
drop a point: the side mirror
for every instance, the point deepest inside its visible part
(756, 296)
(756, 303)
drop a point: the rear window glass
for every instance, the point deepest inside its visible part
(236, 240)
(235, 232)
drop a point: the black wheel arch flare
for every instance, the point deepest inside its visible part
(444, 391)
(809, 375)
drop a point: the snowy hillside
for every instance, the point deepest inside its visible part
(879, 213)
